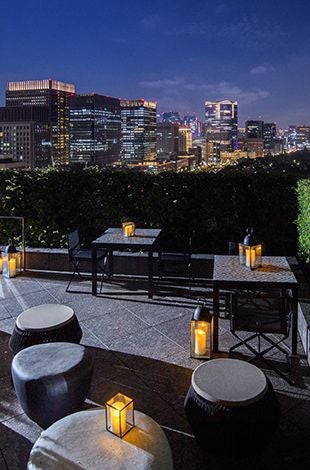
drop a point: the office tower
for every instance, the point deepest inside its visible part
(221, 126)
(167, 138)
(138, 127)
(254, 129)
(25, 135)
(191, 121)
(55, 95)
(172, 116)
(95, 129)
(270, 134)
(302, 137)
(185, 139)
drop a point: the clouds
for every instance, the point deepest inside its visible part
(217, 91)
(262, 69)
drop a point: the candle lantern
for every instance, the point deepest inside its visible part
(128, 227)
(1, 262)
(11, 261)
(201, 333)
(120, 415)
(250, 252)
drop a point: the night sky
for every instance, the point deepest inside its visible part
(179, 53)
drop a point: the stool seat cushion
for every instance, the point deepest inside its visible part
(51, 380)
(230, 382)
(44, 317)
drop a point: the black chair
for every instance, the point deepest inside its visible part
(78, 255)
(267, 315)
(172, 265)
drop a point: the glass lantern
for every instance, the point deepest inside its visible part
(11, 261)
(1, 262)
(250, 252)
(201, 333)
(120, 415)
(128, 229)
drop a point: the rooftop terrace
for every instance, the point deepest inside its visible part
(141, 347)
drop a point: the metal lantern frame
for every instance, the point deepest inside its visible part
(120, 416)
(201, 331)
(11, 261)
(128, 229)
(250, 252)
(22, 222)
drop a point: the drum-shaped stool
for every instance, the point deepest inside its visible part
(231, 406)
(44, 324)
(51, 380)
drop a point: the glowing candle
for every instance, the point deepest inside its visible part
(118, 418)
(250, 257)
(12, 267)
(200, 342)
(1, 264)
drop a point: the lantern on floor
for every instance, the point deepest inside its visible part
(250, 252)
(120, 415)
(1, 262)
(11, 261)
(201, 333)
(128, 228)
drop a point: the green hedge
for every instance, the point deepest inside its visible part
(303, 221)
(218, 206)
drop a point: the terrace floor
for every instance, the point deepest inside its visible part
(141, 347)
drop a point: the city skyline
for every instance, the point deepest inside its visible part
(180, 57)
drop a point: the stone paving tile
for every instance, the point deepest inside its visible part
(115, 325)
(177, 329)
(3, 311)
(18, 286)
(16, 305)
(148, 343)
(155, 314)
(7, 325)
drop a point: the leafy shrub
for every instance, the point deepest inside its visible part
(303, 220)
(217, 206)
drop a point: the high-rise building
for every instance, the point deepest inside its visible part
(191, 121)
(95, 129)
(138, 125)
(185, 139)
(221, 125)
(167, 138)
(25, 136)
(254, 129)
(172, 116)
(55, 95)
(270, 134)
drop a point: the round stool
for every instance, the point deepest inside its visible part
(51, 380)
(81, 441)
(44, 324)
(231, 406)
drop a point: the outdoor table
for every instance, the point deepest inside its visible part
(275, 272)
(114, 239)
(81, 441)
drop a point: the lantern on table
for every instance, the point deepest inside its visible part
(120, 415)
(11, 261)
(201, 333)
(128, 227)
(250, 252)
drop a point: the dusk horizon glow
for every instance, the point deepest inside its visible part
(179, 55)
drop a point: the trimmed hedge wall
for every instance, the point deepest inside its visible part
(303, 221)
(218, 206)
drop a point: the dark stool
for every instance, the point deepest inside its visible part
(231, 407)
(51, 380)
(44, 324)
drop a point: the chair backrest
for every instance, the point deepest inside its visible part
(73, 240)
(261, 312)
(233, 248)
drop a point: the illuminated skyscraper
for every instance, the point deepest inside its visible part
(172, 116)
(185, 139)
(55, 95)
(270, 136)
(221, 125)
(25, 136)
(95, 129)
(254, 129)
(167, 138)
(138, 141)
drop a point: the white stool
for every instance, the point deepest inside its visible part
(45, 323)
(81, 441)
(231, 406)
